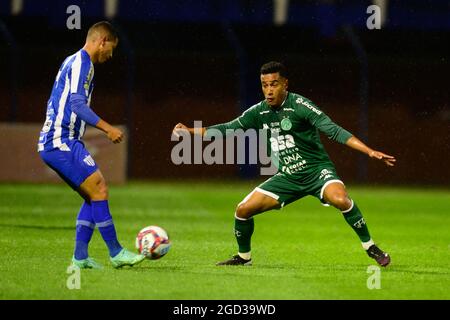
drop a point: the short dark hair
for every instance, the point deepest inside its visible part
(274, 67)
(106, 27)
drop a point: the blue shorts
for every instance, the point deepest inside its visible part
(72, 166)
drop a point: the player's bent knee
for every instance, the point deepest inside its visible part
(99, 191)
(244, 211)
(340, 201)
(102, 191)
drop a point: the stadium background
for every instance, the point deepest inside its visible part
(180, 61)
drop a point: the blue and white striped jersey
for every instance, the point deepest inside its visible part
(61, 124)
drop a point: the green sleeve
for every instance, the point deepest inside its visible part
(247, 120)
(332, 130)
(224, 128)
(324, 124)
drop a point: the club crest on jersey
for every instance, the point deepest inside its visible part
(286, 124)
(89, 161)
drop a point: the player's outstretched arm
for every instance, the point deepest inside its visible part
(181, 127)
(357, 144)
(114, 134)
(82, 110)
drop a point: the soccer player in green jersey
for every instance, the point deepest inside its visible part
(304, 167)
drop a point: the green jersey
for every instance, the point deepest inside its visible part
(294, 128)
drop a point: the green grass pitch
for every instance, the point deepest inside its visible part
(305, 251)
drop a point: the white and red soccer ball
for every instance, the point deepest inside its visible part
(153, 242)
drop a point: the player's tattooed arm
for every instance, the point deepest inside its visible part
(357, 144)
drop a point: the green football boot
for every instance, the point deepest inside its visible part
(87, 263)
(126, 258)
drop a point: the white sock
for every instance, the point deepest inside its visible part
(246, 255)
(368, 244)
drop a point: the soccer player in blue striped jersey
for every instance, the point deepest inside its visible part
(61, 148)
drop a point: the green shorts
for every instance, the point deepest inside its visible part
(286, 188)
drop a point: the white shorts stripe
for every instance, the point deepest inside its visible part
(267, 193)
(326, 184)
(246, 197)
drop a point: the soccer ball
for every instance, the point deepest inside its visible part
(153, 242)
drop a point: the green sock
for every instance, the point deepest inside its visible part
(243, 230)
(355, 219)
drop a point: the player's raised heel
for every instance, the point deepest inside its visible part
(87, 263)
(235, 261)
(126, 258)
(381, 257)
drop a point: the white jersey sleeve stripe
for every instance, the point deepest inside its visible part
(82, 129)
(73, 119)
(59, 118)
(76, 71)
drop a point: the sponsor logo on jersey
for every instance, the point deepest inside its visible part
(325, 174)
(275, 131)
(308, 105)
(89, 161)
(88, 79)
(293, 158)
